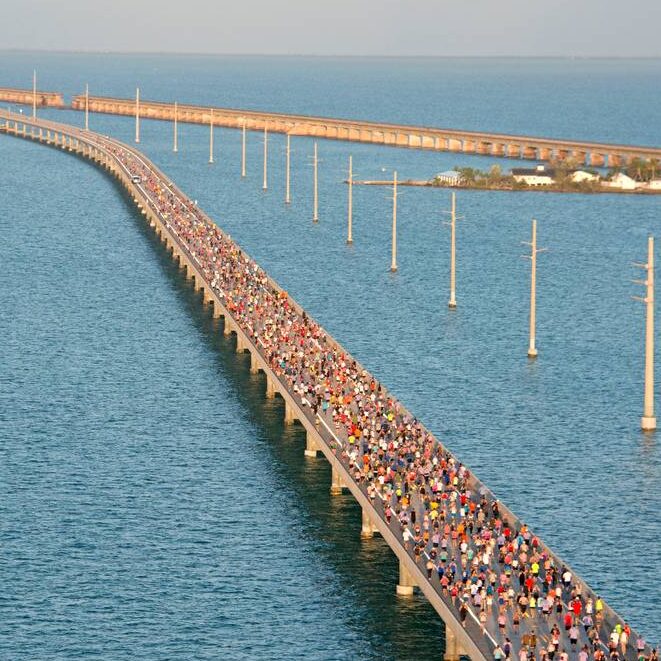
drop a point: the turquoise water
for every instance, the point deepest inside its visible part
(152, 504)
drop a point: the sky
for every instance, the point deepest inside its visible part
(579, 28)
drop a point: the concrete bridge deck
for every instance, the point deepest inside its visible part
(192, 238)
(417, 137)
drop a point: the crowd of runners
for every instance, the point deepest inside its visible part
(493, 570)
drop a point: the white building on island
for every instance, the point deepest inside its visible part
(622, 181)
(449, 178)
(580, 176)
(538, 176)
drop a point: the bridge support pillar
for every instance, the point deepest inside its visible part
(454, 144)
(529, 152)
(368, 528)
(614, 160)
(311, 448)
(227, 327)
(597, 160)
(579, 157)
(217, 313)
(289, 414)
(336, 482)
(469, 146)
(545, 154)
(406, 583)
(254, 366)
(240, 345)
(453, 650)
(498, 149)
(270, 388)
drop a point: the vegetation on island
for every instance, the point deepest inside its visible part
(562, 173)
(641, 169)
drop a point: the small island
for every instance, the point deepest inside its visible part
(639, 176)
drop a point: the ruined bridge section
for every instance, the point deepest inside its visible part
(465, 142)
(26, 97)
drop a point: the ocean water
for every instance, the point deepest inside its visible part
(153, 505)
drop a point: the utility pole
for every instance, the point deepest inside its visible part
(87, 106)
(175, 146)
(266, 142)
(243, 149)
(137, 114)
(532, 349)
(211, 135)
(648, 421)
(393, 263)
(315, 208)
(287, 170)
(34, 93)
(350, 208)
(452, 303)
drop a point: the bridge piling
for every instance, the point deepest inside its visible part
(311, 447)
(290, 416)
(406, 582)
(240, 345)
(254, 363)
(336, 482)
(270, 388)
(453, 649)
(368, 528)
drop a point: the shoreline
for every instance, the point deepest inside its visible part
(420, 183)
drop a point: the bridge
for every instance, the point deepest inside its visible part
(499, 145)
(472, 558)
(396, 135)
(26, 97)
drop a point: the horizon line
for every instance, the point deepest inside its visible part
(84, 51)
